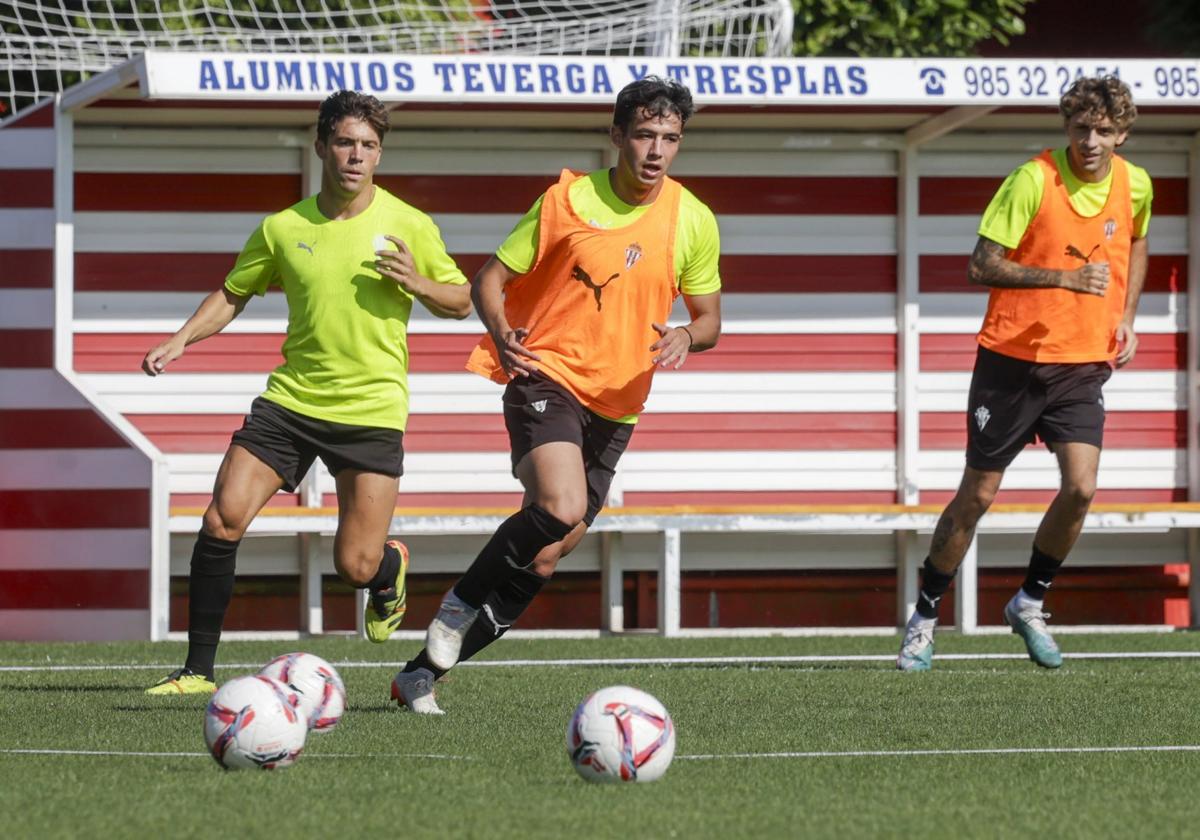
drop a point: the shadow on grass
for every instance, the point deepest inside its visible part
(376, 708)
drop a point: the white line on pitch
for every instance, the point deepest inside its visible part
(206, 755)
(904, 753)
(664, 660)
(802, 659)
(701, 757)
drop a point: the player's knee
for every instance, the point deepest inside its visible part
(356, 566)
(220, 523)
(983, 498)
(566, 508)
(1079, 494)
(966, 511)
(973, 503)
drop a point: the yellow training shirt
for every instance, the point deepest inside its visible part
(345, 357)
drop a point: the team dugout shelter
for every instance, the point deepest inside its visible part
(848, 194)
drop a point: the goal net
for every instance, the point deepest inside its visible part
(49, 45)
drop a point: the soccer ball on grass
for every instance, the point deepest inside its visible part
(620, 734)
(319, 690)
(252, 722)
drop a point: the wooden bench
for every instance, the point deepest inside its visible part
(670, 523)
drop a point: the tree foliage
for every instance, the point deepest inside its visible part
(903, 28)
(1175, 27)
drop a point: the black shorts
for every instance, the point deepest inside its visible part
(288, 442)
(1014, 402)
(538, 410)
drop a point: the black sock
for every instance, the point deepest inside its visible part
(1042, 569)
(421, 660)
(933, 586)
(210, 589)
(501, 610)
(385, 576)
(514, 546)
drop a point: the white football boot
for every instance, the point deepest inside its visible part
(415, 691)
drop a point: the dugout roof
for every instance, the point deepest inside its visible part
(923, 96)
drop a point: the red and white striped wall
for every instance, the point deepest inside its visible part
(76, 507)
(798, 404)
(841, 376)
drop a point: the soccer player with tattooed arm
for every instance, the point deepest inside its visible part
(1063, 248)
(576, 302)
(351, 261)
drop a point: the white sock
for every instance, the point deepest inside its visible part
(1024, 602)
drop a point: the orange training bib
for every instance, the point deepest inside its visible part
(1059, 325)
(590, 299)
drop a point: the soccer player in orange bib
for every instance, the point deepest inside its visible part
(1062, 246)
(575, 302)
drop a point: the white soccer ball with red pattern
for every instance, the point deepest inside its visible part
(319, 689)
(252, 722)
(620, 734)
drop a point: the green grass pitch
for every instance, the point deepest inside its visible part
(495, 765)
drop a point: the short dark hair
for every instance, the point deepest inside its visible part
(1099, 97)
(654, 96)
(348, 103)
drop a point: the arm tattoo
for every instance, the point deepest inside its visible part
(990, 267)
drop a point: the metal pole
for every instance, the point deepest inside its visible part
(666, 36)
(1193, 371)
(669, 584)
(908, 357)
(966, 602)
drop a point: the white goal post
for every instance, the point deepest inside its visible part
(47, 45)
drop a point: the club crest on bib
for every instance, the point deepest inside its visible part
(1110, 228)
(632, 254)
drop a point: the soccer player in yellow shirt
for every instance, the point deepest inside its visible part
(351, 260)
(575, 303)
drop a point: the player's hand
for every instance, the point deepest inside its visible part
(157, 359)
(1091, 279)
(1127, 342)
(398, 265)
(672, 346)
(513, 353)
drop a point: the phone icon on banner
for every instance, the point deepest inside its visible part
(935, 80)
